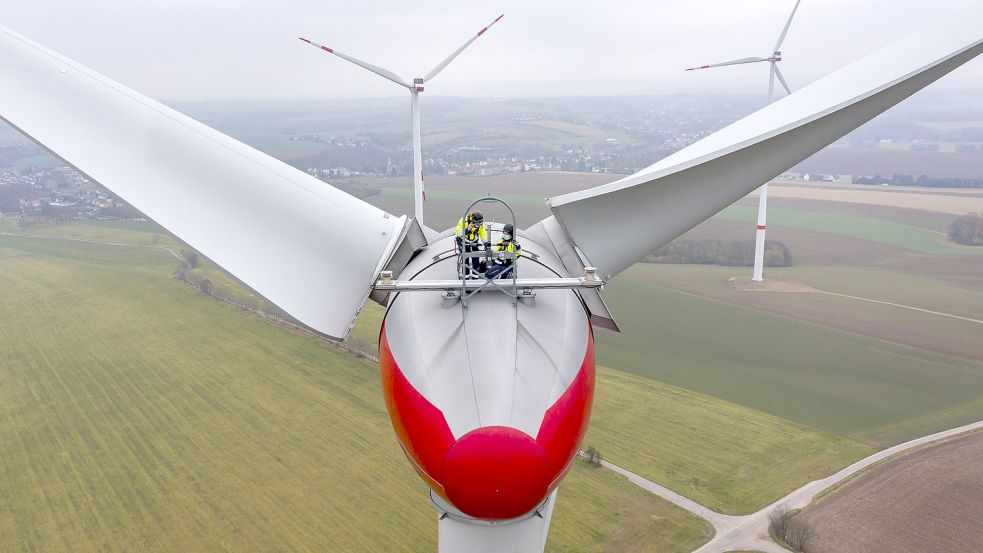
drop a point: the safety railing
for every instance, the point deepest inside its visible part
(465, 287)
(466, 267)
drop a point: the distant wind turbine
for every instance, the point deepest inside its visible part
(415, 89)
(773, 59)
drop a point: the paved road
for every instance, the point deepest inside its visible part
(750, 532)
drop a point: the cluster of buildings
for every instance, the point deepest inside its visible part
(60, 193)
(579, 160)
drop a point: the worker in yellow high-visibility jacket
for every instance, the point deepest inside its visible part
(470, 235)
(506, 244)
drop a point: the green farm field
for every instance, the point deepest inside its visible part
(135, 233)
(873, 390)
(867, 228)
(448, 196)
(722, 455)
(917, 290)
(928, 313)
(8, 225)
(139, 414)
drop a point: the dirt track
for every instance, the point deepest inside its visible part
(930, 501)
(954, 202)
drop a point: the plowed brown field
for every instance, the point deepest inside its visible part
(930, 501)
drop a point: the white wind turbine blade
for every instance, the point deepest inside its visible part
(788, 24)
(781, 78)
(614, 225)
(726, 63)
(440, 66)
(306, 246)
(373, 68)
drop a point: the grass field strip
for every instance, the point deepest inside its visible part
(718, 520)
(258, 312)
(103, 242)
(750, 532)
(354, 349)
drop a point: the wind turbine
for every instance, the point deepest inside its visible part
(773, 59)
(419, 194)
(488, 387)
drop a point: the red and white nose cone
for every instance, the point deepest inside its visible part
(496, 473)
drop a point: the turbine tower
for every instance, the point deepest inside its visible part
(773, 59)
(419, 195)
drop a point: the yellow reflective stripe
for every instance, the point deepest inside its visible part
(510, 247)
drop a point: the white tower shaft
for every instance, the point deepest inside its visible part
(418, 193)
(759, 242)
(758, 274)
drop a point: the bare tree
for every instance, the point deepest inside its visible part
(799, 534)
(778, 522)
(792, 530)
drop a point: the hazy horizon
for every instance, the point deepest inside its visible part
(228, 51)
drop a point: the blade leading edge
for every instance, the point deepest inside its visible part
(306, 246)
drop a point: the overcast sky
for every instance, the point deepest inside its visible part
(195, 49)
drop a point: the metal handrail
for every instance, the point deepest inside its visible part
(523, 283)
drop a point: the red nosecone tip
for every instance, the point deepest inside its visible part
(496, 473)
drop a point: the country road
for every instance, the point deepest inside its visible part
(750, 532)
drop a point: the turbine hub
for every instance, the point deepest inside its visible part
(496, 473)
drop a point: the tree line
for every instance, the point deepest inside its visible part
(967, 230)
(899, 179)
(717, 252)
